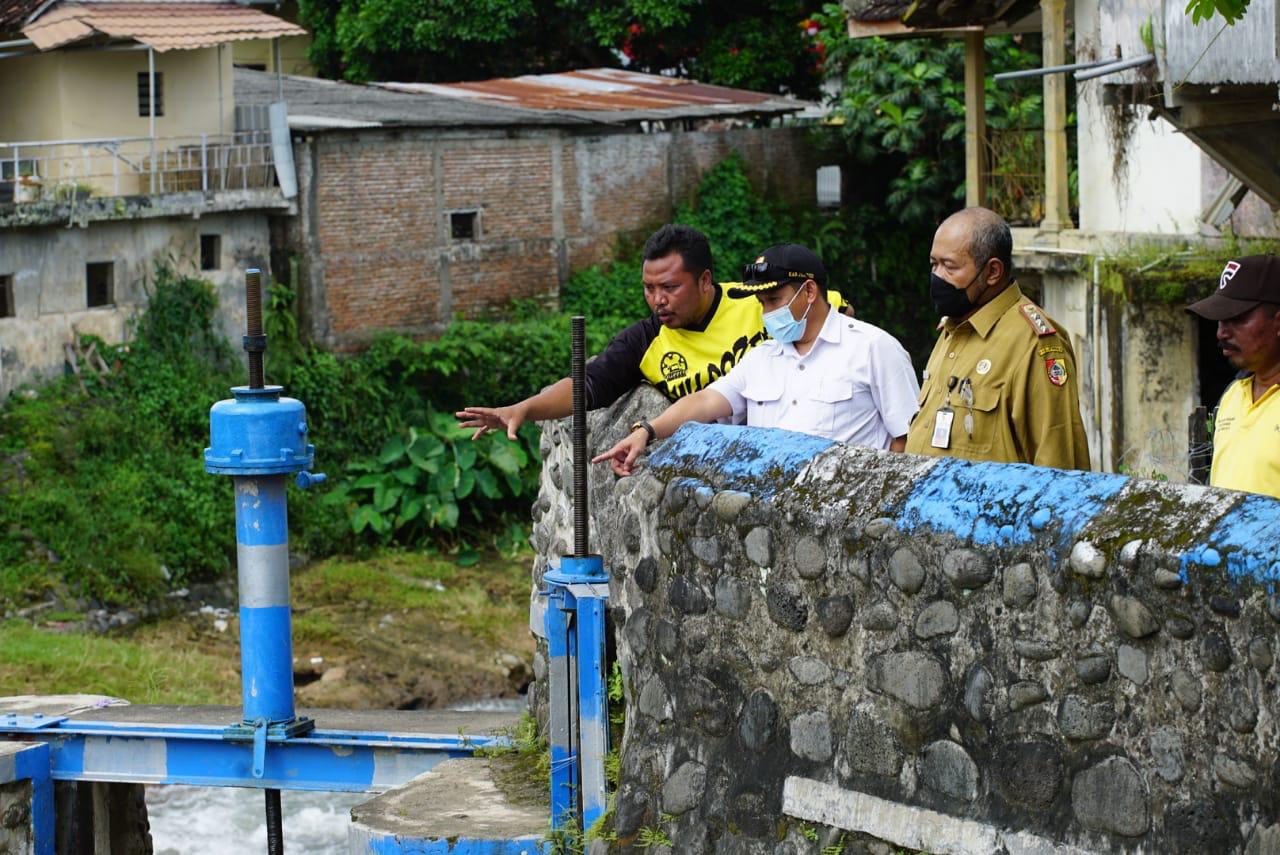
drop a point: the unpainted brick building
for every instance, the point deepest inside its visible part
(416, 208)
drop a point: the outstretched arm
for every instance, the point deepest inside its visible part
(553, 402)
(705, 406)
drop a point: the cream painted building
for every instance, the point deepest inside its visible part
(119, 150)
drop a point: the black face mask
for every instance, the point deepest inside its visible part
(948, 300)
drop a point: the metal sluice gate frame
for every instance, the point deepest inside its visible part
(259, 438)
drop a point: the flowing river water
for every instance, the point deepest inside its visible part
(232, 821)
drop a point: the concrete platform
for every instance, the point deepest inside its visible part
(456, 808)
(407, 722)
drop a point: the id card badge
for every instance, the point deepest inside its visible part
(942, 428)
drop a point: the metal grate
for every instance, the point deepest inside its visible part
(144, 94)
(1015, 182)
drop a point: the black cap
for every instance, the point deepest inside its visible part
(778, 265)
(1244, 283)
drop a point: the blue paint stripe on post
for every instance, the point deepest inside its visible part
(593, 707)
(1004, 504)
(758, 460)
(266, 664)
(261, 510)
(563, 762)
(1245, 539)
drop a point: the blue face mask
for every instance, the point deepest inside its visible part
(782, 326)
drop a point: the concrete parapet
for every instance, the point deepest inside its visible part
(1033, 659)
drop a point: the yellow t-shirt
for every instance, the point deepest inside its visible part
(1246, 440)
(680, 361)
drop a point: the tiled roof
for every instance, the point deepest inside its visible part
(610, 94)
(167, 25)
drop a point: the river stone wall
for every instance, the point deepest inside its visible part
(954, 657)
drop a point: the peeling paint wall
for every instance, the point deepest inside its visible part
(49, 289)
(818, 640)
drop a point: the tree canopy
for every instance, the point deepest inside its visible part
(766, 45)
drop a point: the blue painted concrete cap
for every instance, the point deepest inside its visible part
(755, 460)
(258, 433)
(1244, 540)
(1005, 504)
(575, 570)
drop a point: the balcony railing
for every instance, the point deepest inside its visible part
(61, 170)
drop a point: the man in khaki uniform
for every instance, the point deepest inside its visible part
(1001, 383)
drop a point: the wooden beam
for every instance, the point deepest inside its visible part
(975, 120)
(1057, 196)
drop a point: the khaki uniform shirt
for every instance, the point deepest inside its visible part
(1009, 378)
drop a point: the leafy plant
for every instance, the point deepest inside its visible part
(421, 481)
(1230, 10)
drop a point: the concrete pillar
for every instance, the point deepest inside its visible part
(1057, 198)
(975, 120)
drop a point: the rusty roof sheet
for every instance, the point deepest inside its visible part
(167, 25)
(614, 92)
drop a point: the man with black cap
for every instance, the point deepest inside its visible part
(1246, 428)
(695, 334)
(821, 372)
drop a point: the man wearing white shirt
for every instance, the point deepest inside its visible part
(822, 373)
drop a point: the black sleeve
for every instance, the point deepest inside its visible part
(616, 371)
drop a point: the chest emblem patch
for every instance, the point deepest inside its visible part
(673, 365)
(984, 365)
(1057, 371)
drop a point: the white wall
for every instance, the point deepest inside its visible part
(1157, 187)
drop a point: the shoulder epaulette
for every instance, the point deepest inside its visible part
(1035, 317)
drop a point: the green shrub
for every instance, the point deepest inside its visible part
(421, 481)
(105, 486)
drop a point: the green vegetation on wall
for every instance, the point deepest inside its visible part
(1172, 275)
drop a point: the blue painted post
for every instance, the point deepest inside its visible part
(262, 559)
(577, 591)
(33, 763)
(593, 700)
(259, 438)
(564, 759)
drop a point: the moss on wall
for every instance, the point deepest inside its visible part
(1172, 275)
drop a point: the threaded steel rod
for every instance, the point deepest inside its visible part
(578, 372)
(275, 830)
(253, 326)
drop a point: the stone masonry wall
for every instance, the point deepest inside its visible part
(947, 656)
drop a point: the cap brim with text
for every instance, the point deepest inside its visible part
(779, 265)
(1244, 284)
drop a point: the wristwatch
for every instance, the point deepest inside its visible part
(648, 428)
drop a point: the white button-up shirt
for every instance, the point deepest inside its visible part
(855, 385)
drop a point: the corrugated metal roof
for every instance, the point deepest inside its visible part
(167, 25)
(623, 95)
(316, 104)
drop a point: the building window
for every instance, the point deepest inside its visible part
(144, 93)
(464, 225)
(829, 187)
(210, 252)
(7, 309)
(99, 283)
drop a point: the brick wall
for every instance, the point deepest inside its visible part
(373, 234)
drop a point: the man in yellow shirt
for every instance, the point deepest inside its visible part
(1001, 384)
(1246, 430)
(697, 332)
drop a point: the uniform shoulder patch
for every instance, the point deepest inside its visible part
(1035, 318)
